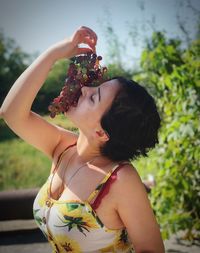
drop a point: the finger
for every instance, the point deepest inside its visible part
(90, 32)
(84, 35)
(81, 35)
(89, 42)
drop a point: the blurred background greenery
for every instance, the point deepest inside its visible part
(169, 67)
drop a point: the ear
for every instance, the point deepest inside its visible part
(101, 135)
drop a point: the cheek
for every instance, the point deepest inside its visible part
(80, 113)
(83, 109)
(85, 112)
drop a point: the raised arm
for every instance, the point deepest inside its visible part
(16, 108)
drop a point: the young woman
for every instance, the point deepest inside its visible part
(94, 199)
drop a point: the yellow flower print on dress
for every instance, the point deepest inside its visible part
(109, 249)
(121, 244)
(66, 244)
(73, 215)
(122, 241)
(37, 218)
(72, 208)
(74, 226)
(54, 245)
(43, 196)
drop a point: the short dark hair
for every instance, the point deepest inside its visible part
(132, 123)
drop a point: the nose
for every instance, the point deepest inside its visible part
(84, 90)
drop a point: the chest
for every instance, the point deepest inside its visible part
(80, 188)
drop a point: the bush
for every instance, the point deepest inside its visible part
(173, 75)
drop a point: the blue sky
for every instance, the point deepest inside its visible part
(36, 24)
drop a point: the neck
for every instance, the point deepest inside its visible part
(88, 148)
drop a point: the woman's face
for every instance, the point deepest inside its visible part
(92, 104)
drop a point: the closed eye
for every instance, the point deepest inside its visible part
(91, 98)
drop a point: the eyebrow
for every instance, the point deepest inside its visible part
(99, 94)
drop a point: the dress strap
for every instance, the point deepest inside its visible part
(103, 183)
(61, 156)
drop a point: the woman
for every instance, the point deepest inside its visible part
(94, 199)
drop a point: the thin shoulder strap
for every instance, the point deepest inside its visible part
(61, 156)
(99, 189)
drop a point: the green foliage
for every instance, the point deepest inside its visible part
(12, 64)
(173, 76)
(18, 167)
(21, 165)
(115, 70)
(52, 87)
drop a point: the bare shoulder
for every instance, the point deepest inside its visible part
(129, 184)
(128, 175)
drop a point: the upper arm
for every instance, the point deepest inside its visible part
(41, 134)
(136, 213)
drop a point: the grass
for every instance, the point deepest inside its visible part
(23, 166)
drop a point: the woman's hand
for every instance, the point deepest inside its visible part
(68, 48)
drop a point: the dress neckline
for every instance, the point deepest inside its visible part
(105, 178)
(81, 203)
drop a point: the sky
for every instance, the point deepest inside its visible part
(37, 24)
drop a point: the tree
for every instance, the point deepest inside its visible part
(12, 63)
(169, 69)
(173, 75)
(52, 87)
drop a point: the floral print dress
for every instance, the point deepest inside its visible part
(74, 226)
